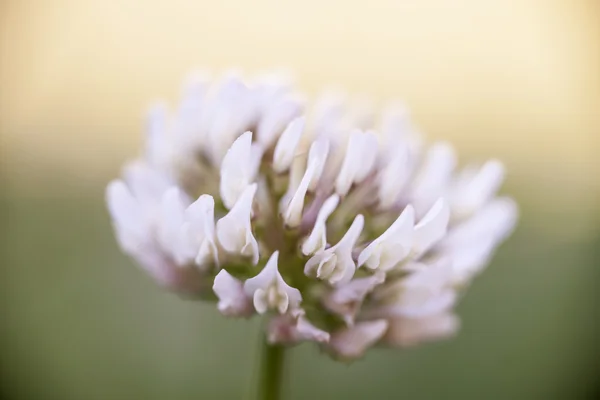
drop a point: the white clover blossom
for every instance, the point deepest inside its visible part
(338, 225)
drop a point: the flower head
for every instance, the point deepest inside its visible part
(340, 227)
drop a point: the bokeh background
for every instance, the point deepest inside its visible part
(518, 80)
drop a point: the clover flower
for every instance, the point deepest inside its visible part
(341, 226)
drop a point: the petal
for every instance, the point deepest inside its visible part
(317, 155)
(347, 299)
(238, 169)
(234, 230)
(233, 302)
(356, 289)
(293, 213)
(198, 231)
(260, 301)
(496, 220)
(352, 342)
(359, 160)
(124, 209)
(266, 277)
(317, 240)
(234, 111)
(352, 234)
(394, 176)
(323, 260)
(425, 291)
(171, 219)
(434, 276)
(392, 246)
(292, 329)
(132, 227)
(296, 174)
(335, 264)
(469, 196)
(395, 121)
(147, 184)
(470, 258)
(328, 110)
(276, 118)
(270, 291)
(294, 298)
(188, 129)
(285, 150)
(432, 227)
(404, 332)
(434, 176)
(158, 145)
(316, 160)
(420, 303)
(307, 331)
(344, 269)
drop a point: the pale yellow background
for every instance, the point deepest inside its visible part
(515, 79)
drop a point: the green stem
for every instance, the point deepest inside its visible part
(271, 371)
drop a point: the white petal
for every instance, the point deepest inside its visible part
(328, 111)
(469, 196)
(266, 277)
(426, 291)
(435, 276)
(290, 329)
(269, 290)
(307, 331)
(293, 213)
(124, 209)
(359, 161)
(238, 169)
(495, 220)
(146, 183)
(393, 246)
(188, 127)
(285, 150)
(294, 298)
(395, 121)
(157, 141)
(432, 227)
(352, 342)
(347, 299)
(362, 112)
(317, 240)
(470, 258)
(277, 117)
(229, 112)
(421, 302)
(404, 332)
(317, 156)
(335, 264)
(234, 230)
(296, 174)
(316, 160)
(171, 218)
(233, 302)
(198, 232)
(393, 177)
(434, 176)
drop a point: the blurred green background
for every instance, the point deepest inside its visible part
(516, 80)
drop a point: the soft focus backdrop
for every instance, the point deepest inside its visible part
(519, 80)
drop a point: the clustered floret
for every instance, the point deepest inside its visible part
(338, 224)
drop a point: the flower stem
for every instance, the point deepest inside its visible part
(271, 371)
